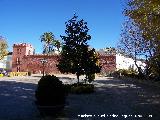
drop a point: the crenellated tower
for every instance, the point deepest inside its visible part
(19, 52)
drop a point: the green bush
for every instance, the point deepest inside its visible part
(91, 77)
(79, 88)
(127, 73)
(50, 91)
(82, 88)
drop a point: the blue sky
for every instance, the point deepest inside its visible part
(26, 20)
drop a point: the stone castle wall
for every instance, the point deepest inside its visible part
(24, 60)
(33, 63)
(108, 63)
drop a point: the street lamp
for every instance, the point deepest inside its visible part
(43, 61)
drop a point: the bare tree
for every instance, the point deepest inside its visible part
(132, 43)
(3, 47)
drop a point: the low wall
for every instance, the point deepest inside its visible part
(12, 74)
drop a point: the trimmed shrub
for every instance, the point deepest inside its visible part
(50, 91)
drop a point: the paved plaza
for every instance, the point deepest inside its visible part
(113, 99)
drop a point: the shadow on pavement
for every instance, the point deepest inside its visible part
(112, 97)
(131, 97)
(17, 101)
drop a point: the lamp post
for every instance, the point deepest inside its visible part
(43, 61)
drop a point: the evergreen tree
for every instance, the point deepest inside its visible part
(91, 64)
(76, 58)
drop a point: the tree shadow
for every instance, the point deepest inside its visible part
(125, 87)
(131, 96)
(118, 97)
(17, 101)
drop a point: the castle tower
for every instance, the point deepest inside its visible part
(19, 52)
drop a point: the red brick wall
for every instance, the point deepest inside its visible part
(108, 63)
(33, 63)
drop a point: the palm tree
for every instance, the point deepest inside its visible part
(50, 43)
(48, 38)
(57, 44)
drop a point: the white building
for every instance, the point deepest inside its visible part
(124, 62)
(6, 62)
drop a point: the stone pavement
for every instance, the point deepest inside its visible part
(116, 100)
(113, 99)
(17, 101)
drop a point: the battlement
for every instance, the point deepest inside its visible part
(42, 56)
(54, 54)
(22, 45)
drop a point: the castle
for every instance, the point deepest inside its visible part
(24, 59)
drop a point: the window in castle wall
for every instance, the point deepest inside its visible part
(18, 69)
(29, 52)
(18, 60)
(18, 51)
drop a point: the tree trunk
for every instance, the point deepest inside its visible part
(139, 68)
(86, 79)
(78, 78)
(43, 69)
